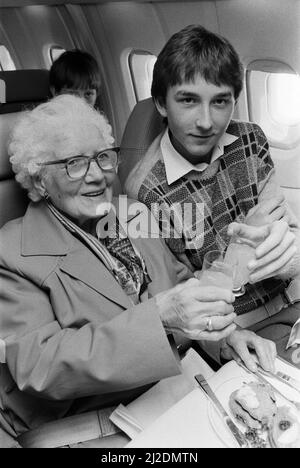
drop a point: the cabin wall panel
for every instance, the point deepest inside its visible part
(117, 27)
(271, 30)
(32, 29)
(47, 27)
(175, 16)
(18, 35)
(262, 29)
(6, 41)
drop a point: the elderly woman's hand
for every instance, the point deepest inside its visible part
(238, 345)
(199, 313)
(274, 247)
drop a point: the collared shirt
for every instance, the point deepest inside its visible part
(177, 166)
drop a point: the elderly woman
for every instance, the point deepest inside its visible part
(86, 311)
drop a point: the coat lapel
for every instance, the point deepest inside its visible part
(84, 265)
(43, 235)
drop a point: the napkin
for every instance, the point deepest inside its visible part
(143, 411)
(295, 335)
(123, 419)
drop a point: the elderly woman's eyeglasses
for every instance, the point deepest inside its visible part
(77, 167)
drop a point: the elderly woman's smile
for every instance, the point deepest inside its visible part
(93, 194)
(81, 199)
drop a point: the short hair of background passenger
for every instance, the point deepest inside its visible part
(75, 69)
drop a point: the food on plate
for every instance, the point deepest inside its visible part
(254, 404)
(254, 438)
(285, 429)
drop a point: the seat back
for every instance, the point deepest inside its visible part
(143, 126)
(19, 90)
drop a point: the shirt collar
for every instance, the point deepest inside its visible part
(175, 164)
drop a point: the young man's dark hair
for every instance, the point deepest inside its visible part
(75, 70)
(195, 50)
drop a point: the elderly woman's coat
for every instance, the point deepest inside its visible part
(74, 341)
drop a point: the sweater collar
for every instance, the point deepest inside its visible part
(177, 166)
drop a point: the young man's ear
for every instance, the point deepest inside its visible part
(161, 107)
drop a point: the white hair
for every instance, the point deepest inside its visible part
(66, 121)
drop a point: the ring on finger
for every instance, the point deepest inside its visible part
(209, 326)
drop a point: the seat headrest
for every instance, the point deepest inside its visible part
(143, 126)
(21, 88)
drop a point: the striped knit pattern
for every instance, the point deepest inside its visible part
(228, 188)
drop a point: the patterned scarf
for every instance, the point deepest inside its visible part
(116, 252)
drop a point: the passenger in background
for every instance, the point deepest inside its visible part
(87, 308)
(76, 72)
(206, 158)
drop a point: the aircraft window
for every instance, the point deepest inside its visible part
(274, 103)
(55, 52)
(284, 106)
(6, 62)
(141, 65)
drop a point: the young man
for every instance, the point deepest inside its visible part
(206, 159)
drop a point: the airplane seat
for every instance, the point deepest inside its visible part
(143, 126)
(19, 90)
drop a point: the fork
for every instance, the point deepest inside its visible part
(265, 381)
(279, 376)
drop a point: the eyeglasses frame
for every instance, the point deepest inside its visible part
(89, 158)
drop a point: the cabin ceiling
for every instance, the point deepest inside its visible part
(22, 3)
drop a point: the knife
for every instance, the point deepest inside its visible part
(235, 431)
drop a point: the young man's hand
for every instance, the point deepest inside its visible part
(274, 245)
(238, 345)
(198, 312)
(268, 211)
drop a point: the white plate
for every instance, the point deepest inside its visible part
(223, 393)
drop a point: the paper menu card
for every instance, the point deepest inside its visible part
(143, 411)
